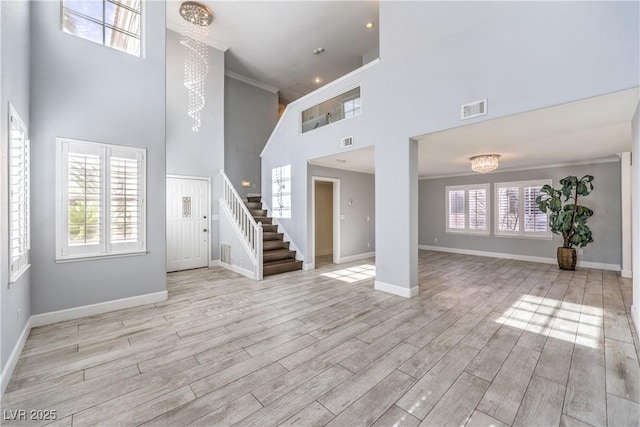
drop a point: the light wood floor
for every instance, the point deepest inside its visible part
(487, 342)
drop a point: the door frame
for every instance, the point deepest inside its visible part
(209, 219)
(336, 217)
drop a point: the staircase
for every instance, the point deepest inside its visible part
(276, 256)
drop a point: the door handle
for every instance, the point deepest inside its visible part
(204, 231)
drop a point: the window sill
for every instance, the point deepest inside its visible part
(468, 233)
(93, 257)
(520, 236)
(18, 274)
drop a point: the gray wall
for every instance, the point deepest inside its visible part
(85, 91)
(196, 153)
(455, 53)
(606, 224)
(250, 114)
(355, 230)
(14, 88)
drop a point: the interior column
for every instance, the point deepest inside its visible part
(396, 168)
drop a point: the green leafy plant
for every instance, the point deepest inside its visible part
(567, 217)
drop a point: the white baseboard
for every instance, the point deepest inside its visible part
(214, 263)
(635, 317)
(356, 257)
(90, 310)
(307, 266)
(529, 258)
(236, 269)
(396, 290)
(626, 273)
(7, 372)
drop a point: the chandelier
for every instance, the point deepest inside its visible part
(484, 163)
(195, 29)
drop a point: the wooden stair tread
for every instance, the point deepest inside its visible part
(281, 266)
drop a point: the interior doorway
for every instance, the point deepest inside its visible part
(187, 222)
(325, 211)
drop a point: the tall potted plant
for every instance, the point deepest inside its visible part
(567, 217)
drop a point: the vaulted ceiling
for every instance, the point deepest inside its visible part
(272, 42)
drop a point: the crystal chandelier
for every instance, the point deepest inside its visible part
(195, 29)
(484, 163)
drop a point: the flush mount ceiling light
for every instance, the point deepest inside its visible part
(341, 161)
(369, 25)
(484, 163)
(195, 29)
(318, 50)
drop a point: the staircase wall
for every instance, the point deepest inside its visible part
(241, 261)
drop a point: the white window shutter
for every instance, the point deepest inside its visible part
(456, 209)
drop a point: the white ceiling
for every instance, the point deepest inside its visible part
(590, 129)
(273, 41)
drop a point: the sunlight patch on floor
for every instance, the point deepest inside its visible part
(353, 274)
(566, 321)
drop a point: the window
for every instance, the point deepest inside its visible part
(112, 23)
(19, 215)
(101, 205)
(351, 107)
(468, 209)
(281, 191)
(517, 212)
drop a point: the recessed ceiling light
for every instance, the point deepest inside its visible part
(341, 161)
(317, 80)
(318, 50)
(369, 25)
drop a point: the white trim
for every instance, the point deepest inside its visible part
(307, 266)
(528, 168)
(529, 258)
(337, 259)
(635, 318)
(342, 166)
(466, 188)
(237, 269)
(250, 81)
(99, 308)
(625, 206)
(315, 92)
(396, 290)
(626, 273)
(214, 263)
(356, 257)
(9, 367)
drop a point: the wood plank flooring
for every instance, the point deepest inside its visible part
(487, 342)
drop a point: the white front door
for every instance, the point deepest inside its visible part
(187, 223)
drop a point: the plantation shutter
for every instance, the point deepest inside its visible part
(477, 209)
(508, 203)
(19, 158)
(125, 199)
(456, 209)
(535, 221)
(84, 198)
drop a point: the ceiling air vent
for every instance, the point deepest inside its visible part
(346, 142)
(474, 109)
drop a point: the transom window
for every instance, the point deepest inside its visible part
(468, 209)
(101, 205)
(112, 23)
(19, 215)
(517, 213)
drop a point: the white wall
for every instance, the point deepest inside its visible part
(86, 91)
(14, 89)
(635, 217)
(436, 56)
(196, 153)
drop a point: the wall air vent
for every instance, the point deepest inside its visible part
(346, 142)
(473, 109)
(225, 253)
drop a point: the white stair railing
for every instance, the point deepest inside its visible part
(249, 229)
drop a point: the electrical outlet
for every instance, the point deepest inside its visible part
(368, 218)
(435, 240)
(368, 244)
(580, 251)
